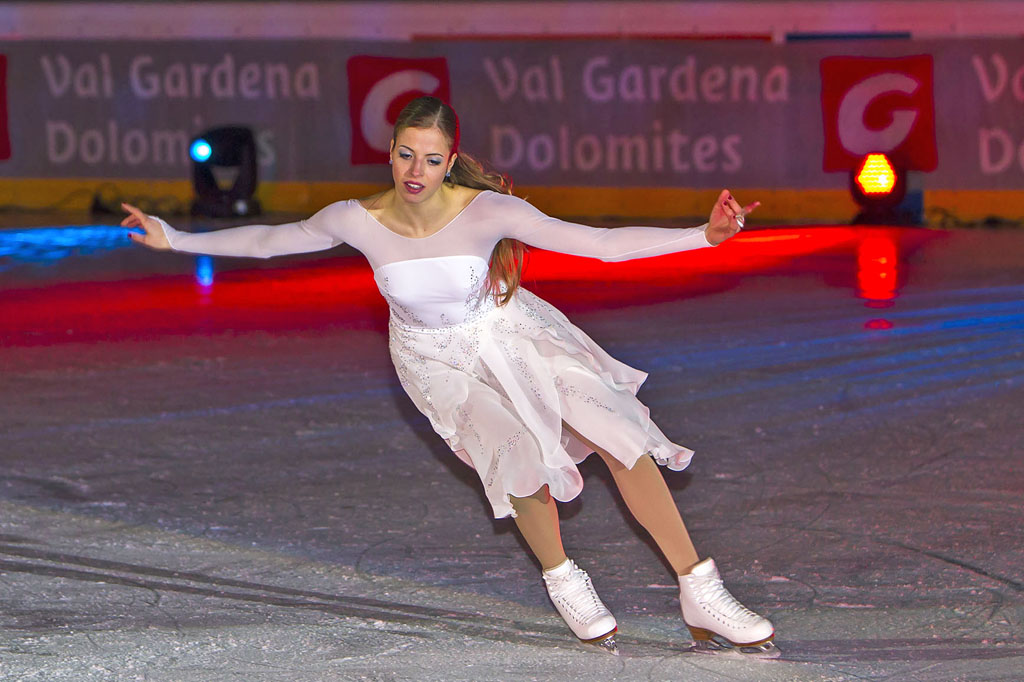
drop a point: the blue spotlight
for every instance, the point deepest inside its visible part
(215, 151)
(201, 150)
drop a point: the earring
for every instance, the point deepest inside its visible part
(448, 174)
(391, 162)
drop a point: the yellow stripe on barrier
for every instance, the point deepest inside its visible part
(777, 205)
(974, 205)
(663, 205)
(76, 194)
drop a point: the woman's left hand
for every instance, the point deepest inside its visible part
(727, 218)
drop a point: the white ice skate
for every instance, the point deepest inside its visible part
(574, 596)
(717, 621)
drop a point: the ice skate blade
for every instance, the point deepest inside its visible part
(608, 645)
(605, 642)
(705, 641)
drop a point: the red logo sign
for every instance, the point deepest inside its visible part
(878, 105)
(5, 138)
(378, 90)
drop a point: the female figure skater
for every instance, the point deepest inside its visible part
(518, 392)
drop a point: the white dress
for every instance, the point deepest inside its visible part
(496, 382)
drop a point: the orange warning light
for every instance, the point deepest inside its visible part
(876, 175)
(879, 187)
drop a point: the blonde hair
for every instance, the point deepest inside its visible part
(506, 265)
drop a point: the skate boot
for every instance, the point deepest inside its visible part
(573, 594)
(717, 621)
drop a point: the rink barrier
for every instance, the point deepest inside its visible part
(786, 205)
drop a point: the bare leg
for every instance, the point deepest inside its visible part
(537, 520)
(648, 498)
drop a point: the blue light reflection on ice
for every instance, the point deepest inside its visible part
(204, 271)
(935, 352)
(46, 245)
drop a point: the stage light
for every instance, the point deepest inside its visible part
(878, 187)
(224, 172)
(876, 175)
(201, 151)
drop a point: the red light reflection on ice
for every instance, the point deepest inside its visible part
(340, 291)
(877, 257)
(745, 253)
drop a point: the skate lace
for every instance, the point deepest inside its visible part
(712, 593)
(576, 592)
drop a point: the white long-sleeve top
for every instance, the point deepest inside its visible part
(425, 279)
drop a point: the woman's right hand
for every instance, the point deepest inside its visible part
(154, 236)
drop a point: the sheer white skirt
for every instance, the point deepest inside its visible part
(497, 389)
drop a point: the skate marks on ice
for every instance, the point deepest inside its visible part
(825, 370)
(160, 581)
(905, 650)
(664, 646)
(83, 599)
(1015, 585)
(24, 557)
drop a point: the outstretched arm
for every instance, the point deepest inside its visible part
(321, 231)
(532, 227)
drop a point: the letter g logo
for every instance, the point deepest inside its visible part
(854, 134)
(878, 105)
(374, 124)
(379, 87)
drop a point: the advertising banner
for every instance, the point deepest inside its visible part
(871, 105)
(626, 113)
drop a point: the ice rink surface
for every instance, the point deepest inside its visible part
(208, 470)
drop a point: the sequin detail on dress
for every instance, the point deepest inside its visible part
(496, 382)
